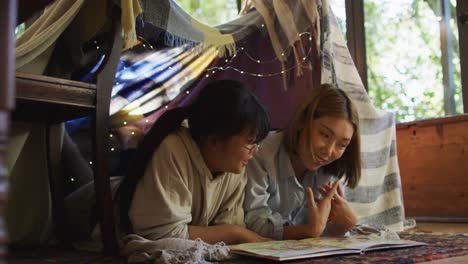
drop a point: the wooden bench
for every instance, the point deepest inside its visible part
(53, 100)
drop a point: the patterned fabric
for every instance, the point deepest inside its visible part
(147, 80)
(180, 28)
(378, 199)
(173, 251)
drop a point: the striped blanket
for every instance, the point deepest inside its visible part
(378, 198)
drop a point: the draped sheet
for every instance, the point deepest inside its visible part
(181, 28)
(378, 198)
(176, 75)
(35, 46)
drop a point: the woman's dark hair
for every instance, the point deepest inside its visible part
(222, 109)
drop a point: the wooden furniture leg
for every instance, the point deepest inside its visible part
(105, 82)
(8, 9)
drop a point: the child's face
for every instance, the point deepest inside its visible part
(329, 138)
(234, 153)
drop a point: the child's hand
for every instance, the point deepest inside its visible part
(247, 236)
(319, 211)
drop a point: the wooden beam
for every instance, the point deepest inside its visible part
(446, 47)
(7, 54)
(462, 18)
(8, 9)
(52, 100)
(356, 36)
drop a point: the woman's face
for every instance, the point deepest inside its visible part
(329, 138)
(234, 153)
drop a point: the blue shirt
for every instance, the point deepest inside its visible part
(274, 197)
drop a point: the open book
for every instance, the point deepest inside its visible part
(319, 247)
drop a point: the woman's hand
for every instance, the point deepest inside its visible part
(341, 218)
(319, 211)
(318, 215)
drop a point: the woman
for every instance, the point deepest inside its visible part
(320, 143)
(189, 182)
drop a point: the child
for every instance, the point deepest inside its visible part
(321, 142)
(189, 182)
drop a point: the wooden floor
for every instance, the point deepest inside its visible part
(442, 228)
(76, 257)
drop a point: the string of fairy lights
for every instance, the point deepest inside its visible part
(227, 66)
(250, 57)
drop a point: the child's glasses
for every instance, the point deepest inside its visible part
(252, 148)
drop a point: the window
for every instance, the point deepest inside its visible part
(210, 12)
(411, 63)
(339, 9)
(19, 30)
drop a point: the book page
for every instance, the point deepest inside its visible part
(318, 247)
(368, 243)
(291, 249)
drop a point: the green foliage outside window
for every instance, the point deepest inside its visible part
(20, 29)
(404, 58)
(211, 12)
(402, 48)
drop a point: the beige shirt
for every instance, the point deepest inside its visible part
(178, 189)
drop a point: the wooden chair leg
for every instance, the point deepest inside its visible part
(54, 148)
(105, 82)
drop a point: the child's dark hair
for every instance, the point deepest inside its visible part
(223, 109)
